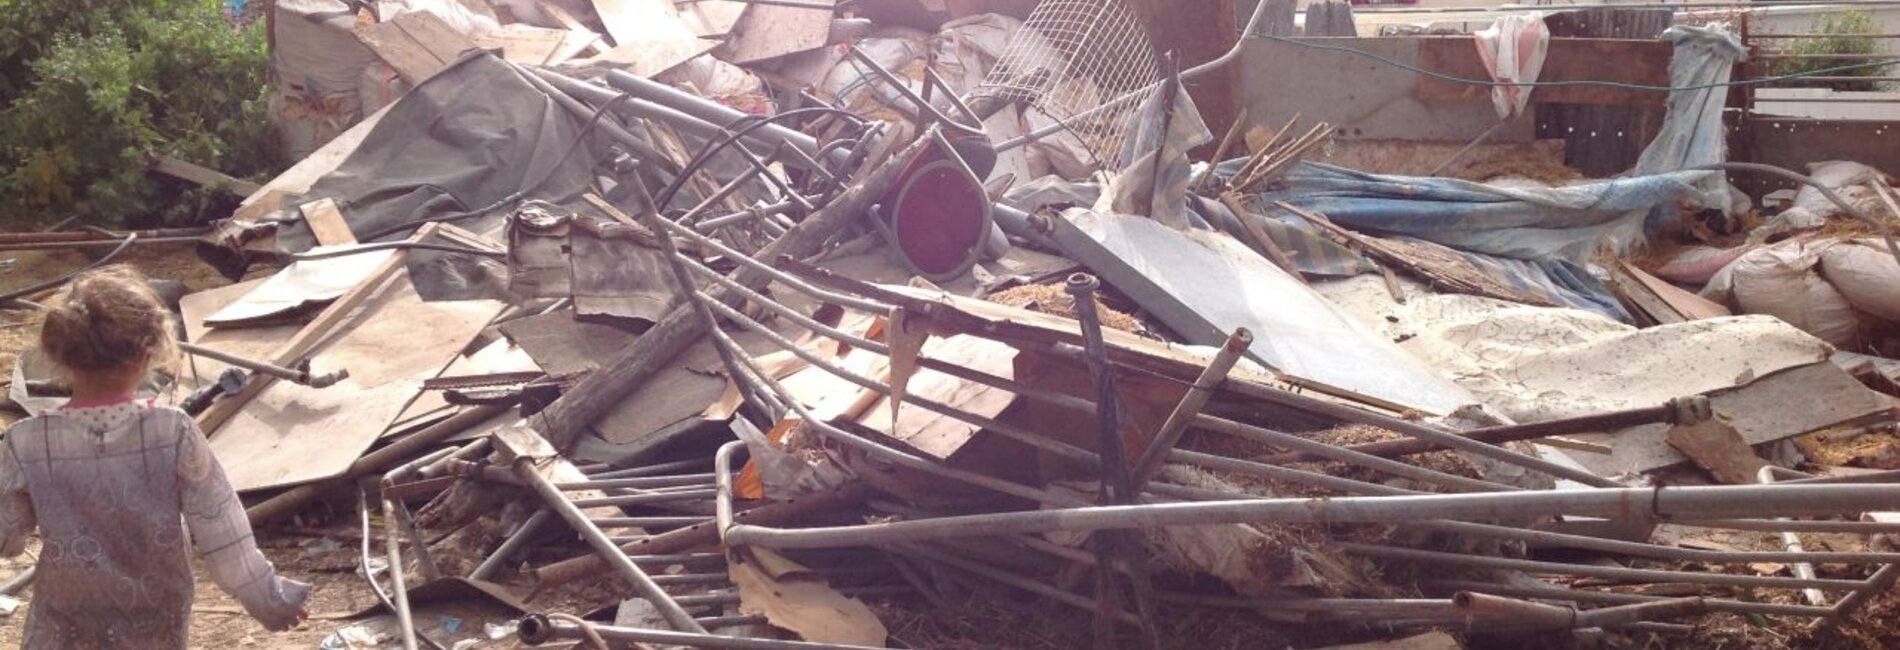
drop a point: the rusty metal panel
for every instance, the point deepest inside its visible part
(1643, 62)
(1794, 142)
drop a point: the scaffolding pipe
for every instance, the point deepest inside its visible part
(1642, 503)
(642, 583)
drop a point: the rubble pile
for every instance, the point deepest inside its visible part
(773, 325)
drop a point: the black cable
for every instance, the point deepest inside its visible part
(1581, 82)
(733, 134)
(116, 252)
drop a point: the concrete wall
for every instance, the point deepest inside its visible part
(1364, 99)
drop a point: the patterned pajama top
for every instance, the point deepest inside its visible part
(117, 490)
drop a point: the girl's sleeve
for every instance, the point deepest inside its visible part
(16, 507)
(222, 534)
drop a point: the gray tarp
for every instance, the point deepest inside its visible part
(474, 135)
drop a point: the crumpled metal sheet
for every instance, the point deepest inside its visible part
(1204, 285)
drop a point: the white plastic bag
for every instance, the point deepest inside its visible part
(1867, 275)
(965, 48)
(1513, 49)
(1782, 281)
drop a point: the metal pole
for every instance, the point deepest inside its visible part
(1662, 503)
(605, 548)
(537, 629)
(1189, 407)
(513, 544)
(392, 538)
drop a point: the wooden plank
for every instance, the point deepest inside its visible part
(433, 34)
(326, 223)
(590, 42)
(1689, 305)
(205, 176)
(771, 31)
(1643, 62)
(1715, 446)
(524, 43)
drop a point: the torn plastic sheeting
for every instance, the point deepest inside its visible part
(1566, 223)
(1692, 132)
(1204, 284)
(1513, 50)
(469, 137)
(1559, 281)
(1152, 177)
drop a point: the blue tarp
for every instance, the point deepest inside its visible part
(1526, 223)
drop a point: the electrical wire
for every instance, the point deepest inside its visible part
(398, 245)
(734, 133)
(1578, 82)
(36, 288)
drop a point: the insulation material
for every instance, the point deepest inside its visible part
(1781, 281)
(1866, 275)
(1539, 363)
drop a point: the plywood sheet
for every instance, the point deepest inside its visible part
(291, 434)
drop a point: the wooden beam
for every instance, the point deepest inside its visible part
(201, 175)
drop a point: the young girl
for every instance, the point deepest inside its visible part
(117, 486)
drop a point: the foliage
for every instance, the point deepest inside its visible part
(1847, 33)
(111, 80)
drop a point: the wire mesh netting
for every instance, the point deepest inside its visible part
(1073, 56)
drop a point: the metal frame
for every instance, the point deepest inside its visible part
(1475, 508)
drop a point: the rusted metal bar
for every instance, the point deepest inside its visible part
(775, 514)
(538, 629)
(1672, 412)
(1189, 407)
(605, 549)
(1116, 488)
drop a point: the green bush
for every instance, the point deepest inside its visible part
(97, 90)
(1847, 34)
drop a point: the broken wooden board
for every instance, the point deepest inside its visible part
(1438, 265)
(201, 175)
(290, 434)
(1665, 303)
(326, 223)
(649, 36)
(712, 18)
(794, 598)
(1781, 405)
(771, 31)
(534, 45)
(417, 44)
(1715, 446)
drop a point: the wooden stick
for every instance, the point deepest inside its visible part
(1221, 151)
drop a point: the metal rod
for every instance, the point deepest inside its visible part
(1791, 543)
(1011, 579)
(1652, 551)
(1618, 573)
(1189, 407)
(639, 482)
(513, 544)
(642, 583)
(538, 629)
(1681, 410)
(643, 499)
(1582, 596)
(392, 538)
(1643, 503)
(1116, 485)
(650, 470)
